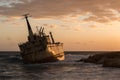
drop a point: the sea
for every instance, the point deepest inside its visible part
(13, 68)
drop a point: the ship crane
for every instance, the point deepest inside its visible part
(53, 41)
(30, 36)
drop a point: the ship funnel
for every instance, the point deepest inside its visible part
(29, 27)
(52, 37)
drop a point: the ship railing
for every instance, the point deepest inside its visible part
(58, 44)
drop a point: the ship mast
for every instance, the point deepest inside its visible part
(53, 41)
(30, 37)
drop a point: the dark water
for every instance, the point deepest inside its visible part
(12, 68)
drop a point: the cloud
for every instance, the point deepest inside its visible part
(50, 25)
(101, 11)
(93, 26)
(77, 28)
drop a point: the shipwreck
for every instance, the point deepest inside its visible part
(40, 47)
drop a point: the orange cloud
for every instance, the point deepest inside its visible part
(50, 8)
(92, 26)
(51, 25)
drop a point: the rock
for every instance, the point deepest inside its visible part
(111, 59)
(115, 62)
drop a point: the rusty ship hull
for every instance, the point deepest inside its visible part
(52, 53)
(40, 48)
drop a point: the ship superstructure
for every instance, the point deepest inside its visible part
(40, 47)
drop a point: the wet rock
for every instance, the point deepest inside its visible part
(115, 62)
(111, 59)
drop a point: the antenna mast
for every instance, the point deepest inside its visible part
(30, 37)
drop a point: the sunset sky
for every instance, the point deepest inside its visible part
(79, 24)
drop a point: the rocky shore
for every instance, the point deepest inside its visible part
(111, 59)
